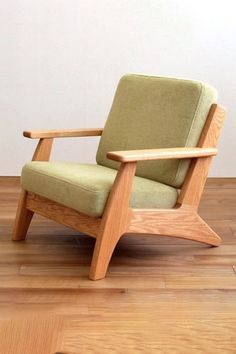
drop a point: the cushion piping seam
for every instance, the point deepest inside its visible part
(62, 179)
(88, 190)
(164, 77)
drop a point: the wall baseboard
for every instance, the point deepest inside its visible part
(212, 182)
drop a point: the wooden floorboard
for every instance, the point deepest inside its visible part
(161, 295)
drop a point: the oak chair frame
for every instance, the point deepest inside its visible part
(118, 218)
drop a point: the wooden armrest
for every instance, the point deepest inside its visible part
(44, 134)
(160, 154)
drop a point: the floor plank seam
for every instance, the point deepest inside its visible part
(158, 297)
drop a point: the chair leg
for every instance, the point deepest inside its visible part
(104, 247)
(115, 220)
(210, 238)
(23, 219)
(180, 222)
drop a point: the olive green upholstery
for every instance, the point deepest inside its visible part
(156, 112)
(85, 187)
(147, 112)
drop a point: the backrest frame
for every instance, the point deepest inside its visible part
(196, 177)
(150, 112)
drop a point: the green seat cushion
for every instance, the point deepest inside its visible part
(156, 112)
(85, 187)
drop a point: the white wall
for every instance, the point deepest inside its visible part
(60, 62)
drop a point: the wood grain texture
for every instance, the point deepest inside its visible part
(23, 218)
(24, 215)
(162, 294)
(63, 133)
(42, 334)
(212, 129)
(195, 180)
(64, 215)
(160, 154)
(115, 220)
(183, 223)
(43, 150)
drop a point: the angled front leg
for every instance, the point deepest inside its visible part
(115, 220)
(23, 218)
(23, 215)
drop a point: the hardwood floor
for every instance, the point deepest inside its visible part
(161, 295)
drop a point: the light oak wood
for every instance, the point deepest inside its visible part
(179, 222)
(160, 154)
(23, 218)
(161, 295)
(64, 215)
(63, 133)
(195, 180)
(43, 150)
(115, 220)
(33, 333)
(183, 221)
(24, 215)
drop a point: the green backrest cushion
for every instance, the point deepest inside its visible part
(156, 112)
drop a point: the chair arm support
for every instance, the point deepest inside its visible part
(68, 133)
(161, 154)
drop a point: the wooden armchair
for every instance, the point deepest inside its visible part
(163, 130)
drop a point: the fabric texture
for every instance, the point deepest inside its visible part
(156, 112)
(147, 113)
(85, 187)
